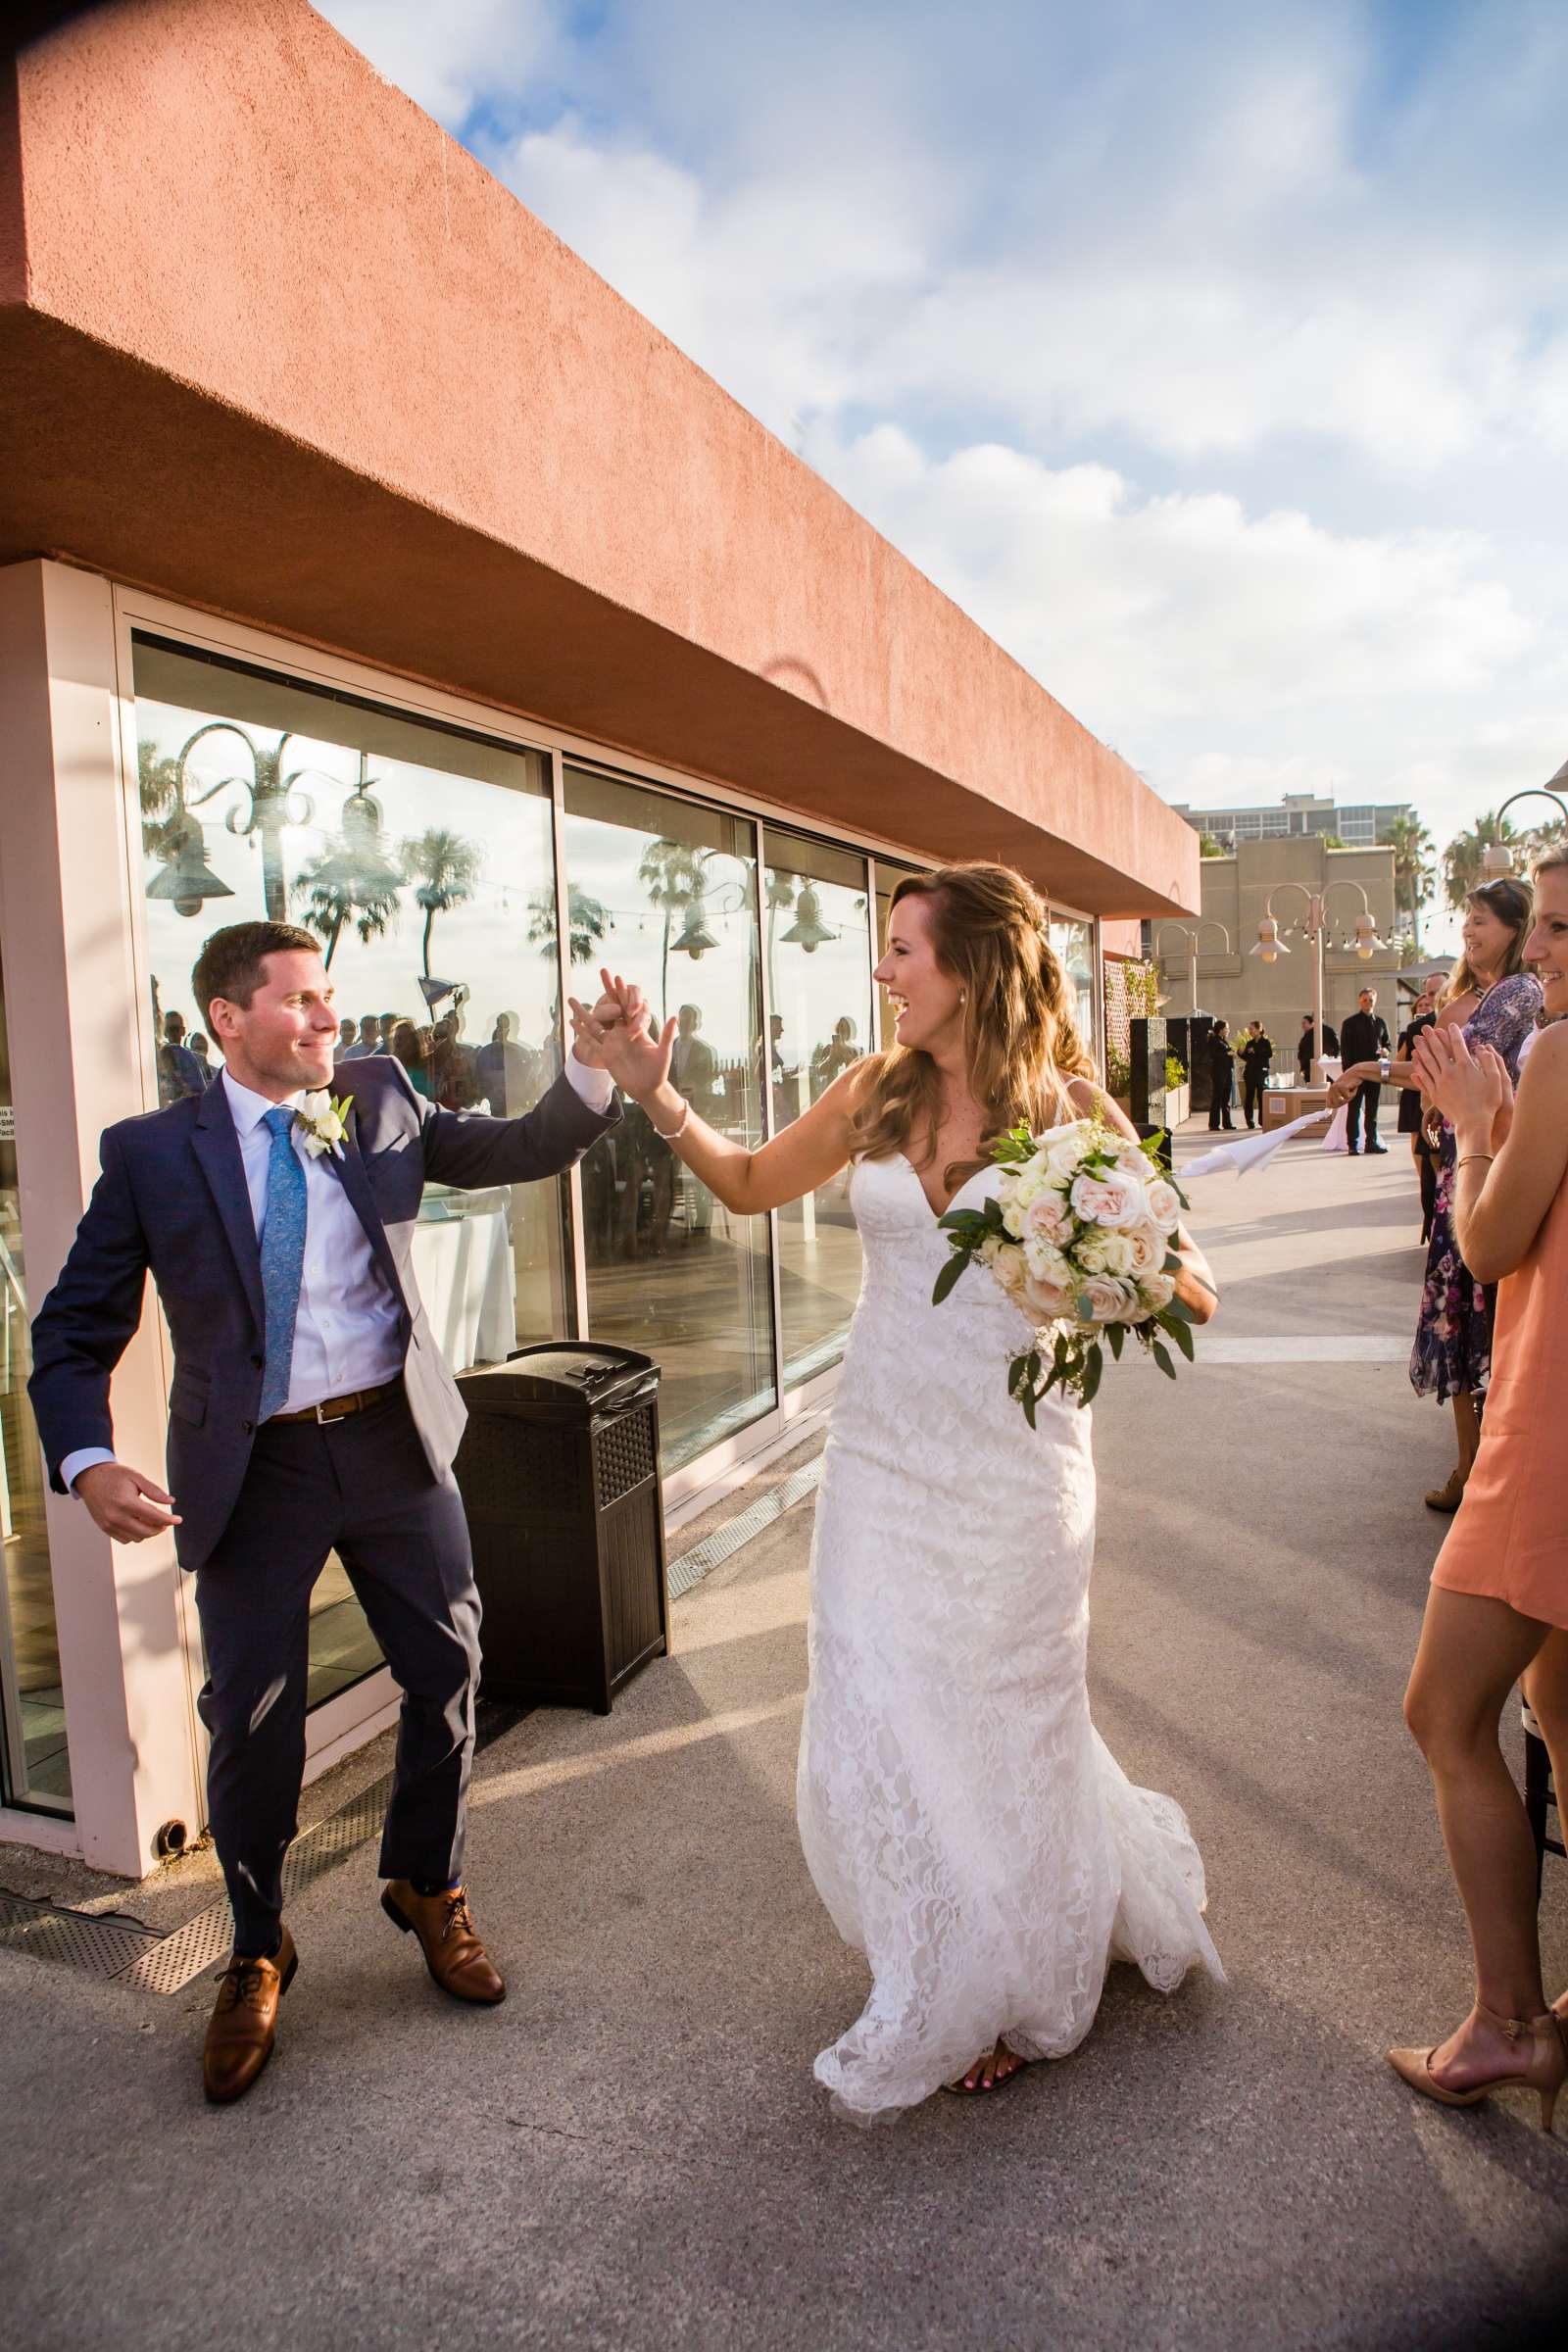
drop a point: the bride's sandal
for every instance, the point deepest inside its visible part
(993, 2072)
(1544, 2067)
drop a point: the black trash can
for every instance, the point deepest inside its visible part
(558, 1473)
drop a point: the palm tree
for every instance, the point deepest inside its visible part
(447, 869)
(355, 878)
(671, 873)
(586, 924)
(158, 788)
(1463, 867)
(1414, 874)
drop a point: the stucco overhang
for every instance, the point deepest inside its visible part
(273, 343)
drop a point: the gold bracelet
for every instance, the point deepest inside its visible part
(1464, 1160)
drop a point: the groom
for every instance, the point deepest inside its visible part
(309, 1409)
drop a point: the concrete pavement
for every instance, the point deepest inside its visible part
(631, 2152)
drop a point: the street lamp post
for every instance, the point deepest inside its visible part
(1193, 934)
(1495, 860)
(1313, 925)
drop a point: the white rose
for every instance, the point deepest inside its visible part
(1157, 1291)
(1107, 1300)
(1009, 1269)
(1012, 1218)
(1044, 1262)
(1147, 1250)
(1024, 1184)
(1046, 1302)
(1162, 1203)
(1116, 1253)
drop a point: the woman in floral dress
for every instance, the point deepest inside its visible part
(1495, 1001)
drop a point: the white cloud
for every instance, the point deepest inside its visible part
(449, 56)
(1139, 608)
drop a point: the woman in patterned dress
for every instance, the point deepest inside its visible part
(1495, 1001)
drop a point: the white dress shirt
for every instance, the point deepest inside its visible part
(346, 1334)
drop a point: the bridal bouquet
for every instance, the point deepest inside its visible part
(1079, 1235)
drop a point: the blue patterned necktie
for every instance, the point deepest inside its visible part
(282, 1256)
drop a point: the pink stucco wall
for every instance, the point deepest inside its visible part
(271, 341)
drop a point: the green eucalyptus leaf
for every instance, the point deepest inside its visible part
(1117, 1332)
(949, 1276)
(1162, 1359)
(1182, 1337)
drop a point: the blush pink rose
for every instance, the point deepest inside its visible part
(1047, 1215)
(1114, 1199)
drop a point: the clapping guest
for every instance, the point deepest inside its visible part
(1498, 1605)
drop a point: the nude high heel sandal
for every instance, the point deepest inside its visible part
(1544, 2069)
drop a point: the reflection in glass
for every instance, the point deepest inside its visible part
(421, 858)
(1075, 943)
(670, 1271)
(34, 1767)
(819, 984)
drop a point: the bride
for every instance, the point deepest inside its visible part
(963, 1822)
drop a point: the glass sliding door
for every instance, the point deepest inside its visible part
(664, 891)
(422, 858)
(34, 1766)
(819, 991)
(1073, 939)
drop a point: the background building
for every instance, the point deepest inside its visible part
(1236, 890)
(364, 559)
(1358, 826)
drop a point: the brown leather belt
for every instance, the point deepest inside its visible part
(338, 1408)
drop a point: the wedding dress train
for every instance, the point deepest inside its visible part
(964, 1824)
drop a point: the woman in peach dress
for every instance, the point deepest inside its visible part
(1498, 1605)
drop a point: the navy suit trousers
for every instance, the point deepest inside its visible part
(362, 1487)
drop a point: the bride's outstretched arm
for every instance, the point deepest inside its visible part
(1194, 1284)
(807, 1154)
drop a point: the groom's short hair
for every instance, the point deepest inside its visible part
(230, 964)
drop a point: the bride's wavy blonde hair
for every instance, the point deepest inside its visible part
(988, 929)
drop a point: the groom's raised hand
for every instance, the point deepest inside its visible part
(617, 1035)
(124, 1504)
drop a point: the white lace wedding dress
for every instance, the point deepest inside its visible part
(964, 1823)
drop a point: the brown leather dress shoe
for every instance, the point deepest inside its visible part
(244, 2022)
(448, 1938)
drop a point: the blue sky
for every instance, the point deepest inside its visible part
(1215, 357)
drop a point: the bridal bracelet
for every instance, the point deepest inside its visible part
(672, 1135)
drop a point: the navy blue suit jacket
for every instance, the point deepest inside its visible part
(173, 1201)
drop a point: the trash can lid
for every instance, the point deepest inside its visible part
(585, 1372)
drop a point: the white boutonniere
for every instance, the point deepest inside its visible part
(324, 1120)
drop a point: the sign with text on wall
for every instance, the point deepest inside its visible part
(8, 1122)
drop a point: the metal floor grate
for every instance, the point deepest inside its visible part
(100, 1945)
(692, 1566)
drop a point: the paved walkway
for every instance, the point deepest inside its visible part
(633, 2153)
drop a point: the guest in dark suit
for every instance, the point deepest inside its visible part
(1365, 1039)
(1304, 1047)
(309, 1409)
(1257, 1051)
(1221, 1076)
